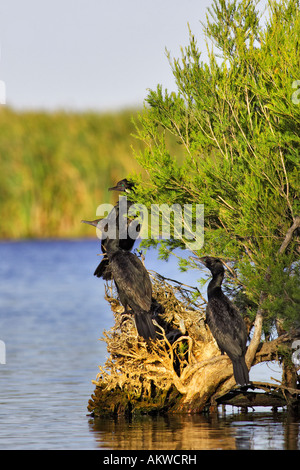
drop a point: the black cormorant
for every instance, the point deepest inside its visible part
(225, 322)
(123, 185)
(133, 285)
(103, 270)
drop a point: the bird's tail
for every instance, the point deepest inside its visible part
(144, 325)
(240, 371)
(103, 269)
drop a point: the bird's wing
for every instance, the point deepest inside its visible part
(133, 279)
(228, 334)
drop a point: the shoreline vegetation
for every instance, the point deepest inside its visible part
(55, 168)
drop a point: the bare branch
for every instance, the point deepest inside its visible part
(289, 235)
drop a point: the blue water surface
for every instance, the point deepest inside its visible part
(52, 314)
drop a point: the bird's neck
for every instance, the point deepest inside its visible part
(214, 287)
(112, 246)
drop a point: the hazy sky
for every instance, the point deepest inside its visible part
(91, 54)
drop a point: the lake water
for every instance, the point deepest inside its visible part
(52, 313)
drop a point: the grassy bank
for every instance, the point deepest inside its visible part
(55, 169)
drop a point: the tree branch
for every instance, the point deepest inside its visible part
(289, 235)
(259, 316)
(275, 395)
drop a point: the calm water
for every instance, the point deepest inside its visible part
(52, 313)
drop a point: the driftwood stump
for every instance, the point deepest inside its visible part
(183, 369)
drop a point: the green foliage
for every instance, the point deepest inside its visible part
(239, 129)
(55, 169)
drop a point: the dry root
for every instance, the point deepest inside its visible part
(181, 371)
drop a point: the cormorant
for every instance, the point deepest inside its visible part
(103, 270)
(123, 185)
(225, 322)
(133, 285)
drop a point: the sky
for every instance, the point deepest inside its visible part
(92, 54)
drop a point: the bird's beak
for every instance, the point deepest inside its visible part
(91, 222)
(115, 188)
(201, 260)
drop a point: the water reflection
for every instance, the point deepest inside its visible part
(236, 431)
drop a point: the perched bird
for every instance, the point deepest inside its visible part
(123, 185)
(225, 322)
(133, 285)
(103, 270)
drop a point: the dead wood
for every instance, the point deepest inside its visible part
(182, 371)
